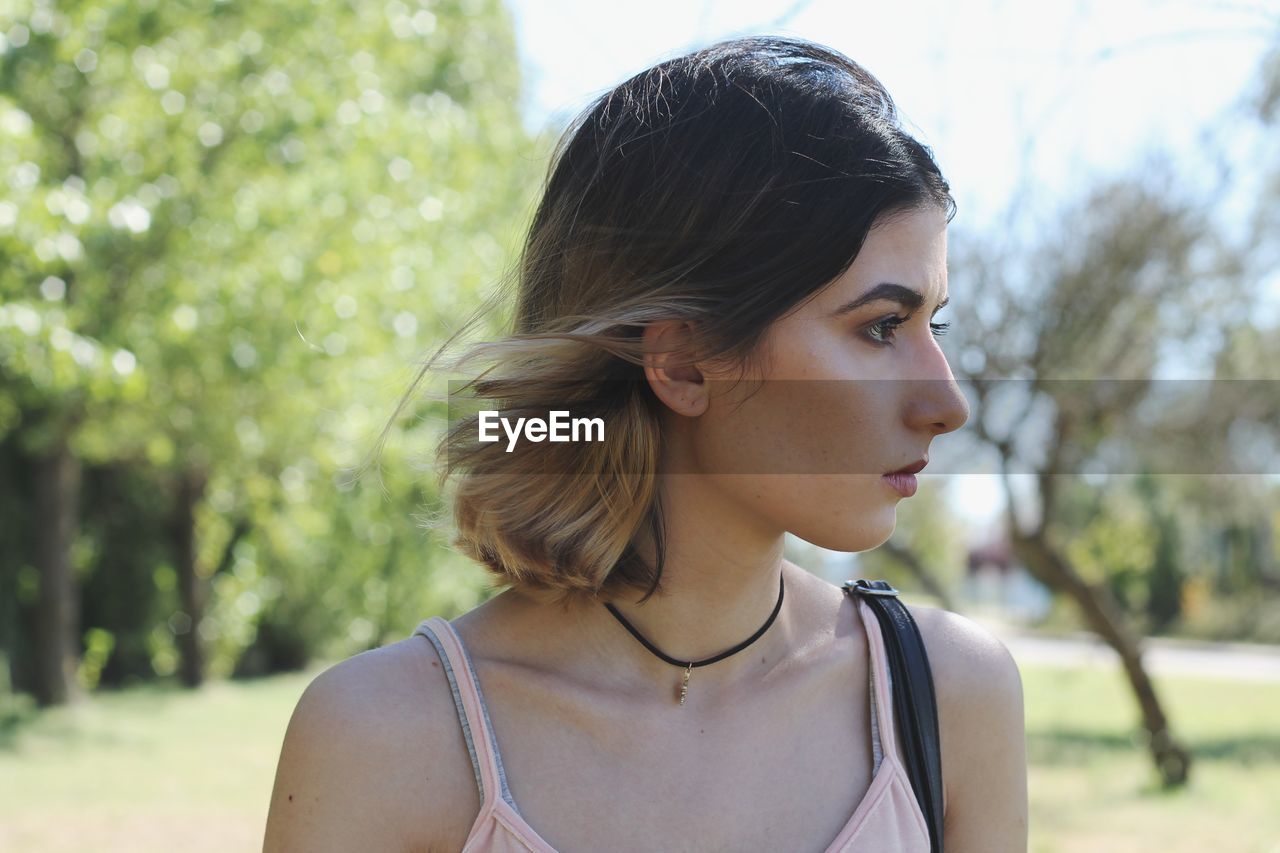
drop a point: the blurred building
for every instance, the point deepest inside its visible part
(997, 585)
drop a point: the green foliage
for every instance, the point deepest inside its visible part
(1111, 539)
(227, 230)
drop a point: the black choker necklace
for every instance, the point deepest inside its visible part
(689, 665)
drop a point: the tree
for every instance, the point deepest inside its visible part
(232, 212)
(1122, 275)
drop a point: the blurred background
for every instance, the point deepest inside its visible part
(229, 230)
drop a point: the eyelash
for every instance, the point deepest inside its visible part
(936, 329)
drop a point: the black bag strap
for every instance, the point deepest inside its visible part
(914, 705)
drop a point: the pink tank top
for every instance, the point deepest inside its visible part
(887, 820)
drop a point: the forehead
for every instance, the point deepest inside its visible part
(910, 249)
(909, 241)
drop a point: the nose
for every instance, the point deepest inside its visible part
(936, 402)
(952, 410)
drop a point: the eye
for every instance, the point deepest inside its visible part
(877, 331)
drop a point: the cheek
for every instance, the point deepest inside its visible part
(805, 457)
(812, 350)
(798, 427)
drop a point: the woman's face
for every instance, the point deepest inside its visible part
(848, 395)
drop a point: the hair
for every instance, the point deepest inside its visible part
(723, 187)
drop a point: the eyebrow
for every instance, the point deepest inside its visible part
(887, 290)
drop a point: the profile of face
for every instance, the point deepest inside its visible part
(808, 457)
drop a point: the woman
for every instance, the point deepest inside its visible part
(734, 249)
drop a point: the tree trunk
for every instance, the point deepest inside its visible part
(1172, 760)
(57, 614)
(191, 588)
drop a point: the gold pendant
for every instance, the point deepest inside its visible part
(684, 688)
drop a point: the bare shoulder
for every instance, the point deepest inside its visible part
(982, 727)
(969, 662)
(373, 759)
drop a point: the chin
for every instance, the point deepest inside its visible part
(859, 533)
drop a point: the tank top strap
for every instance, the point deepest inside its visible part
(473, 714)
(883, 736)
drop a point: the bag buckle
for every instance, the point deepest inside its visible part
(864, 587)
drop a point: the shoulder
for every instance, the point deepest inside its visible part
(373, 758)
(970, 664)
(976, 681)
(981, 721)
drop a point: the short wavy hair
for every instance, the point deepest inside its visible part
(722, 187)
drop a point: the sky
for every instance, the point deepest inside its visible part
(1005, 93)
(1090, 83)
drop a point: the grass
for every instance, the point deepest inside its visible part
(1093, 788)
(150, 768)
(154, 768)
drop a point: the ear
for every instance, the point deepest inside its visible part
(678, 383)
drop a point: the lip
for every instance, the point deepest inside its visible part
(914, 468)
(903, 484)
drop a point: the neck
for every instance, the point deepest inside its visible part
(716, 592)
